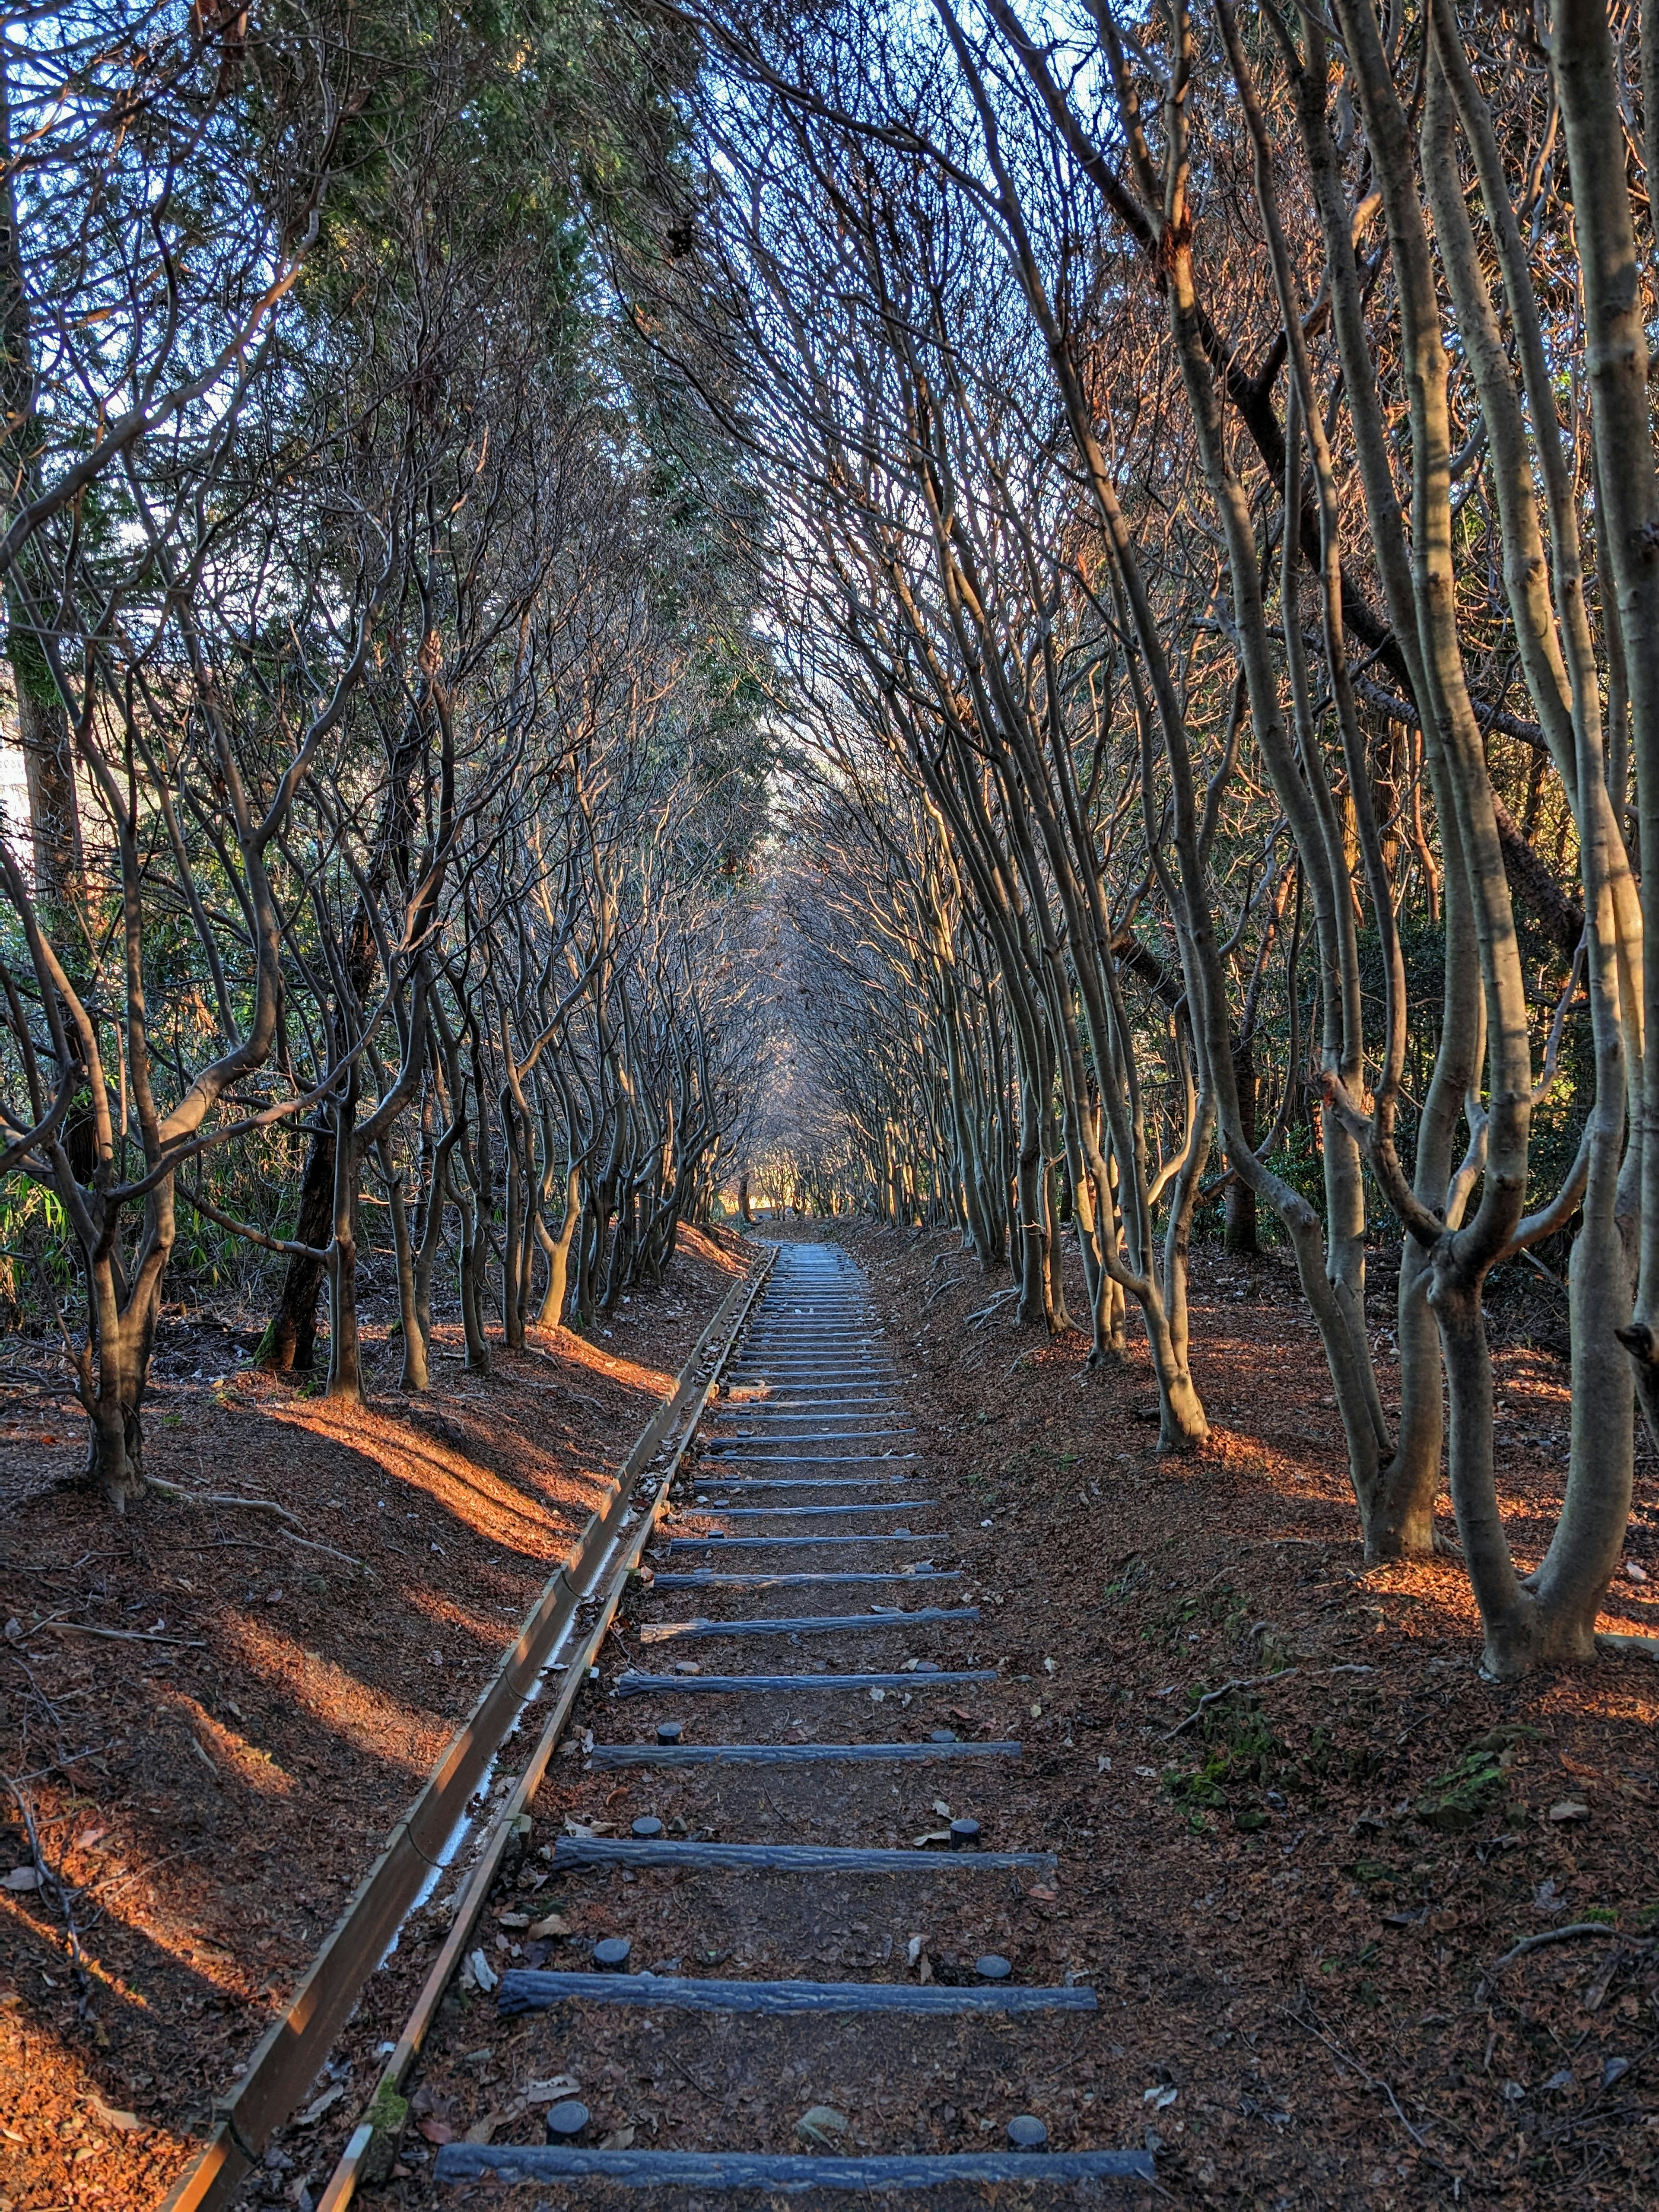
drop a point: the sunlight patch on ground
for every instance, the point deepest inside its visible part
(227, 1751)
(368, 1719)
(578, 1351)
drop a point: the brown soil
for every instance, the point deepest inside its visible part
(209, 1776)
(1293, 1908)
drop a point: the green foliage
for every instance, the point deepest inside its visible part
(1474, 1785)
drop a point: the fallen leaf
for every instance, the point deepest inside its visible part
(23, 1877)
(483, 2131)
(326, 2103)
(554, 1924)
(941, 1808)
(821, 2125)
(484, 1976)
(550, 2093)
(435, 2130)
(513, 1920)
(618, 2139)
(1044, 1896)
(1570, 1808)
(933, 1836)
(126, 2124)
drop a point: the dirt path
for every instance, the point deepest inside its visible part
(211, 1771)
(1299, 1900)
(1292, 1908)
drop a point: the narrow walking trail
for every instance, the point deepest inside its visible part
(768, 1947)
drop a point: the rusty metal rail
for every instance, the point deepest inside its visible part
(291, 2052)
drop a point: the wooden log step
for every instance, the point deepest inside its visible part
(605, 1756)
(924, 1616)
(811, 1459)
(807, 1512)
(704, 1578)
(777, 1543)
(757, 1416)
(813, 1375)
(574, 1851)
(833, 1358)
(635, 1684)
(528, 1989)
(793, 1409)
(787, 2173)
(813, 1437)
(850, 1338)
(817, 1483)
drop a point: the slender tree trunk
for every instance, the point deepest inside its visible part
(415, 1374)
(513, 1241)
(345, 1369)
(558, 1254)
(1238, 1235)
(289, 1344)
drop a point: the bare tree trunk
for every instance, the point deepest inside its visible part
(513, 1241)
(558, 1254)
(345, 1371)
(1238, 1235)
(415, 1374)
(290, 1343)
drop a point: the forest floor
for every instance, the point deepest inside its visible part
(1297, 1904)
(214, 1715)
(1294, 1907)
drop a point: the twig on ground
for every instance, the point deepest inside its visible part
(1570, 1933)
(228, 1501)
(65, 1761)
(702, 2088)
(986, 1311)
(558, 1389)
(310, 1544)
(176, 1490)
(188, 1851)
(1214, 1696)
(1310, 2023)
(39, 1695)
(118, 1635)
(55, 1567)
(52, 1882)
(1255, 1682)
